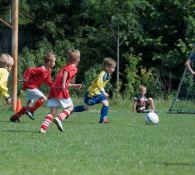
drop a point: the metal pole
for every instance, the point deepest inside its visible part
(15, 6)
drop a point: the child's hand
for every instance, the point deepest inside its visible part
(78, 86)
(8, 101)
(106, 94)
(63, 86)
(22, 81)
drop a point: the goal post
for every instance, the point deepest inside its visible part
(184, 100)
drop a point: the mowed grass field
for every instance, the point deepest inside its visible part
(125, 146)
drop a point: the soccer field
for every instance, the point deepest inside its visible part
(125, 146)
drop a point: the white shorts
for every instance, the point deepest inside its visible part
(54, 102)
(33, 94)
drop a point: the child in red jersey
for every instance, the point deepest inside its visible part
(33, 79)
(59, 93)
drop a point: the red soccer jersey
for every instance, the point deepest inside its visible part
(56, 90)
(35, 77)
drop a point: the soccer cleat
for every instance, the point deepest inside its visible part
(42, 131)
(59, 124)
(30, 114)
(105, 120)
(15, 120)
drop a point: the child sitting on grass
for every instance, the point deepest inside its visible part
(96, 92)
(141, 103)
(6, 63)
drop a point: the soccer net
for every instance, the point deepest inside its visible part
(184, 100)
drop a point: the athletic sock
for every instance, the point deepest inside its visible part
(47, 121)
(37, 104)
(64, 114)
(80, 108)
(104, 112)
(19, 114)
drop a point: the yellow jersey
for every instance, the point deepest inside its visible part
(3, 82)
(98, 84)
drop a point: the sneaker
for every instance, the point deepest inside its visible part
(30, 114)
(105, 120)
(59, 124)
(42, 131)
(15, 120)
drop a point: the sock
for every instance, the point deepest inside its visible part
(104, 112)
(46, 123)
(37, 104)
(64, 114)
(80, 108)
(20, 113)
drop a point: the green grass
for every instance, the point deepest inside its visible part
(125, 146)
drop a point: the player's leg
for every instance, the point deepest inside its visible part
(16, 116)
(104, 112)
(151, 103)
(88, 101)
(39, 98)
(81, 108)
(48, 119)
(67, 105)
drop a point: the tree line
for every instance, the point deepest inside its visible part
(149, 39)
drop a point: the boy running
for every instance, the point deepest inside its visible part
(33, 79)
(96, 92)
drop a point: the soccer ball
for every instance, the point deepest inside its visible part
(152, 118)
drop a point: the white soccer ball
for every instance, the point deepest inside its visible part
(152, 118)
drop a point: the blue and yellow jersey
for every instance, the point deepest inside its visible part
(3, 82)
(98, 84)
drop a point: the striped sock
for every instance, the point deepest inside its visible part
(46, 123)
(64, 114)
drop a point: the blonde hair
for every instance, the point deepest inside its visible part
(109, 62)
(50, 56)
(73, 56)
(142, 88)
(6, 60)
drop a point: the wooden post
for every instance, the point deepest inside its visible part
(15, 6)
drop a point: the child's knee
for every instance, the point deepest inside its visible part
(150, 100)
(86, 107)
(106, 103)
(44, 98)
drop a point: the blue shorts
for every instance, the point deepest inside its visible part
(94, 100)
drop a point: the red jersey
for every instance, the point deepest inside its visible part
(35, 77)
(56, 90)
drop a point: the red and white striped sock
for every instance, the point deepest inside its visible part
(64, 114)
(46, 123)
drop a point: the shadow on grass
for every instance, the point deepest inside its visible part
(82, 122)
(185, 164)
(19, 131)
(8, 121)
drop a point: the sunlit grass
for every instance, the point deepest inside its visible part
(125, 146)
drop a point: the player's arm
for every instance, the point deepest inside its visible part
(188, 64)
(4, 88)
(100, 83)
(76, 86)
(64, 78)
(32, 72)
(48, 80)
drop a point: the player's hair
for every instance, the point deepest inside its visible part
(109, 62)
(6, 60)
(142, 87)
(49, 57)
(73, 56)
